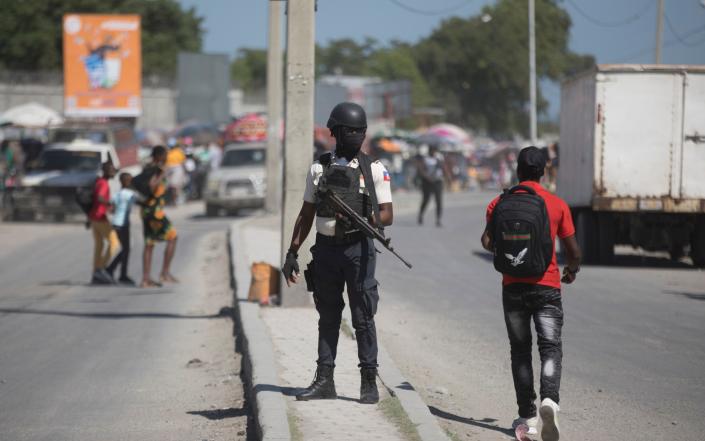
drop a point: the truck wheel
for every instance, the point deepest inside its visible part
(212, 210)
(605, 233)
(697, 243)
(585, 230)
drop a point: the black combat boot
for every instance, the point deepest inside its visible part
(368, 386)
(322, 388)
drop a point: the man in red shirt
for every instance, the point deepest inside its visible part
(538, 298)
(105, 240)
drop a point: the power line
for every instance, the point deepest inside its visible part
(613, 24)
(679, 37)
(430, 12)
(668, 43)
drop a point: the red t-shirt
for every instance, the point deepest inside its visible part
(99, 210)
(561, 226)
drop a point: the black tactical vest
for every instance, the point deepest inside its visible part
(346, 183)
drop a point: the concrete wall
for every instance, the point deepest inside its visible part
(158, 103)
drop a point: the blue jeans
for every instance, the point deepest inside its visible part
(542, 304)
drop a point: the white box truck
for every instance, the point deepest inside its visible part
(632, 159)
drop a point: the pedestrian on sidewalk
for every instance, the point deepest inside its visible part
(342, 254)
(156, 226)
(431, 170)
(522, 225)
(105, 240)
(123, 201)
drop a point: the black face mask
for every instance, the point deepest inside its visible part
(349, 143)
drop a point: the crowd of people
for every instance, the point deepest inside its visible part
(109, 220)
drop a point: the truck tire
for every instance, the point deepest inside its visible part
(697, 243)
(585, 231)
(212, 210)
(605, 233)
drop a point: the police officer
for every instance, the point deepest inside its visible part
(342, 255)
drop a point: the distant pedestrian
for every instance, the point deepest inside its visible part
(215, 154)
(156, 225)
(522, 225)
(103, 235)
(122, 202)
(431, 170)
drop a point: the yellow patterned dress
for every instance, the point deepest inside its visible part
(157, 227)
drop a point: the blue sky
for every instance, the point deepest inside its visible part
(234, 24)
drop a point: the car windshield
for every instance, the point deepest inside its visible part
(70, 135)
(243, 157)
(65, 160)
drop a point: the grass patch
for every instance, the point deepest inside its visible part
(392, 409)
(294, 430)
(346, 329)
(452, 435)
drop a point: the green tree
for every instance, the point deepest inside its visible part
(344, 56)
(397, 63)
(249, 69)
(478, 69)
(31, 33)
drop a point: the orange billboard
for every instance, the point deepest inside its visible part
(102, 65)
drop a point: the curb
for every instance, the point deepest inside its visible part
(259, 365)
(260, 372)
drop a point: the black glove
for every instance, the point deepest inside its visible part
(291, 266)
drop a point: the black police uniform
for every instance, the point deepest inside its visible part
(348, 258)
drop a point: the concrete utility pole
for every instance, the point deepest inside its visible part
(659, 31)
(298, 140)
(275, 102)
(532, 73)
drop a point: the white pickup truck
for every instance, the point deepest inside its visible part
(632, 159)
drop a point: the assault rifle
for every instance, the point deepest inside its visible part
(358, 221)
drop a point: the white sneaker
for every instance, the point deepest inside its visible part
(531, 423)
(549, 416)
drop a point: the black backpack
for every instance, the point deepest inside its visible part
(521, 233)
(84, 198)
(141, 182)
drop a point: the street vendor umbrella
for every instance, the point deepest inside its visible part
(200, 133)
(30, 115)
(249, 128)
(447, 135)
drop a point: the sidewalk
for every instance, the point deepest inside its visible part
(280, 346)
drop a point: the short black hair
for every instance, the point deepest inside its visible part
(158, 150)
(124, 176)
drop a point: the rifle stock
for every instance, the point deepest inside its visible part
(361, 223)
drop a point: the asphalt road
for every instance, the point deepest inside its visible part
(634, 352)
(79, 362)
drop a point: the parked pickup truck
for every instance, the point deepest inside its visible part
(632, 159)
(48, 191)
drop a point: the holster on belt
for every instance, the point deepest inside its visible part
(308, 276)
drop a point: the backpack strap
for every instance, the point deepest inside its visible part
(366, 169)
(518, 188)
(325, 159)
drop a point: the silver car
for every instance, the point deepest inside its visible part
(239, 182)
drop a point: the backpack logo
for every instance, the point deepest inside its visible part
(516, 261)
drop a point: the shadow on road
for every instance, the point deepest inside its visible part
(289, 391)
(219, 414)
(484, 423)
(224, 312)
(689, 295)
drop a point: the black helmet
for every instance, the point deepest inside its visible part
(347, 114)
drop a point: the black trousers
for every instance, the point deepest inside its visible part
(434, 188)
(542, 304)
(123, 234)
(336, 266)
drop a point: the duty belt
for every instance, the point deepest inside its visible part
(348, 239)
